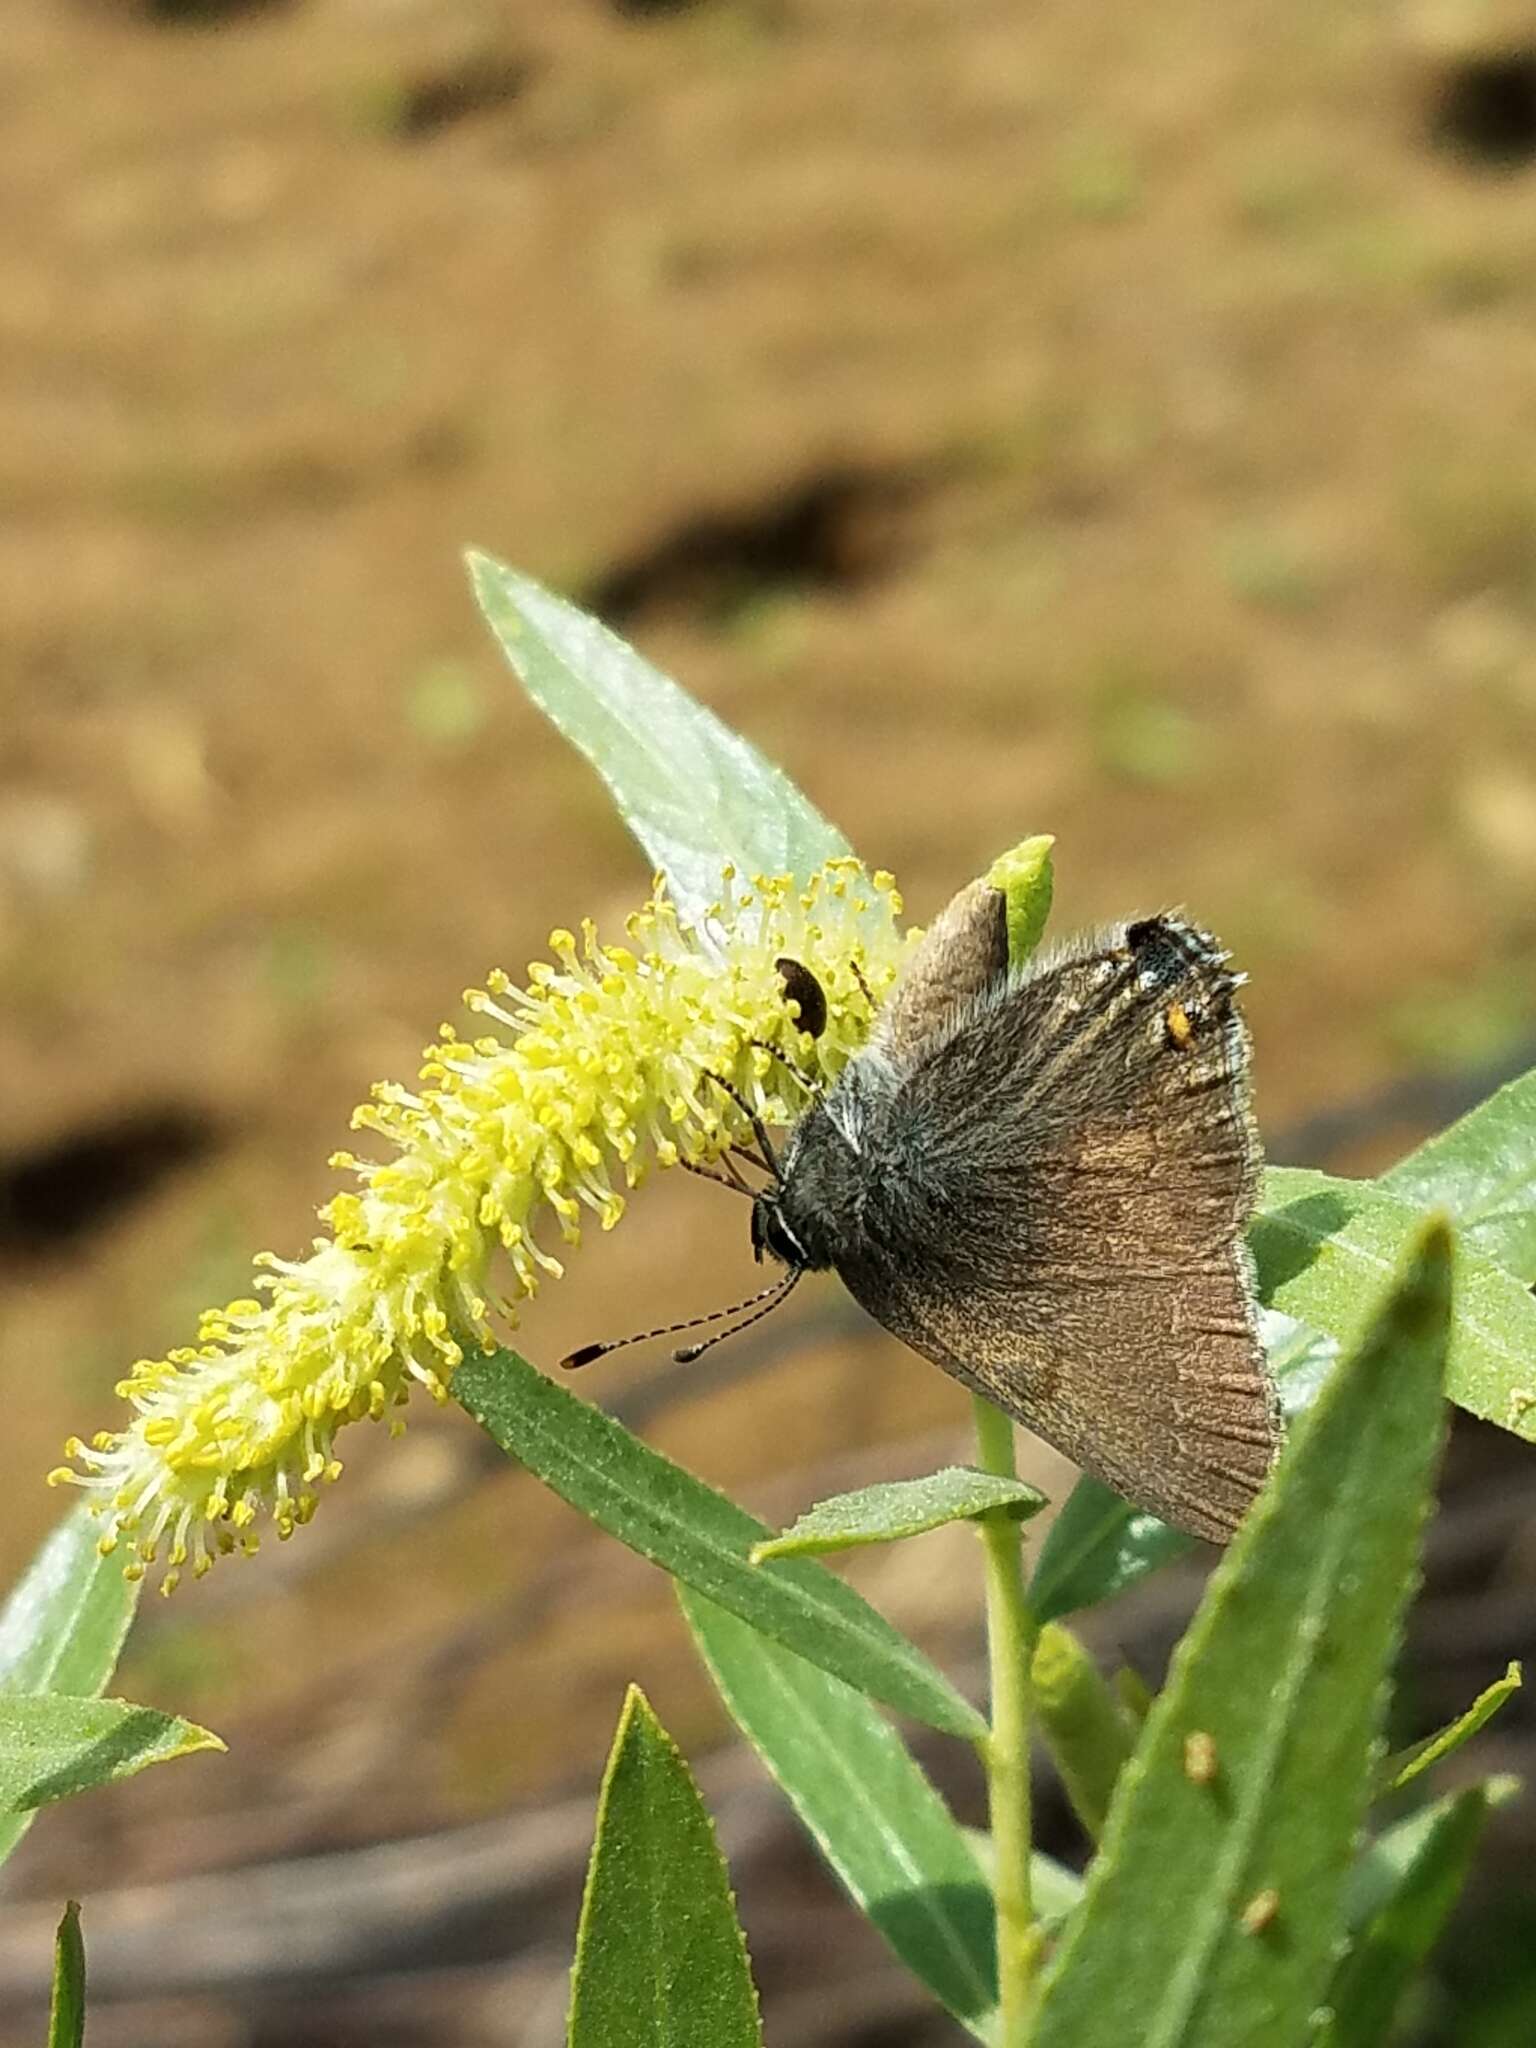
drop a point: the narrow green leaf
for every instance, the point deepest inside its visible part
(1325, 1245)
(1402, 1768)
(695, 794)
(701, 1537)
(65, 1620)
(894, 1508)
(1096, 1547)
(52, 1746)
(1214, 1905)
(1482, 1173)
(1099, 1544)
(66, 2017)
(660, 1957)
(1087, 1734)
(1387, 1953)
(1025, 877)
(884, 1831)
(1379, 1868)
(63, 1626)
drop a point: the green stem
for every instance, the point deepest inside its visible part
(1011, 1632)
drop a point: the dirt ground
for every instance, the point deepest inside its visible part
(1111, 422)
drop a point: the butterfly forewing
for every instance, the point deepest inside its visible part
(1065, 1230)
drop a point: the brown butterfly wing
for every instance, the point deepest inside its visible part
(1064, 1232)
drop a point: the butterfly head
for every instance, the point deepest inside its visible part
(810, 1215)
(773, 1233)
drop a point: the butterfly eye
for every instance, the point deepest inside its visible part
(803, 990)
(772, 1234)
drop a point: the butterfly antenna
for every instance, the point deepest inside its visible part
(585, 1354)
(779, 1290)
(770, 1158)
(729, 1179)
(811, 1083)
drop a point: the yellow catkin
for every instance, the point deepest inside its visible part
(512, 1142)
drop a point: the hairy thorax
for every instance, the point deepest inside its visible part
(857, 1180)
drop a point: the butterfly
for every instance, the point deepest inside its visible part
(1040, 1180)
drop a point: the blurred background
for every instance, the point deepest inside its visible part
(1114, 422)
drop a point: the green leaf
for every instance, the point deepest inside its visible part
(1482, 1173)
(695, 794)
(1099, 1544)
(660, 1957)
(52, 1746)
(1024, 875)
(66, 2017)
(1379, 1868)
(1388, 1951)
(1214, 1905)
(1096, 1547)
(66, 1618)
(886, 1512)
(63, 1626)
(882, 1828)
(1324, 1245)
(1401, 1769)
(701, 1537)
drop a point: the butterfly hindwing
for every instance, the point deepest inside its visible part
(1068, 1164)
